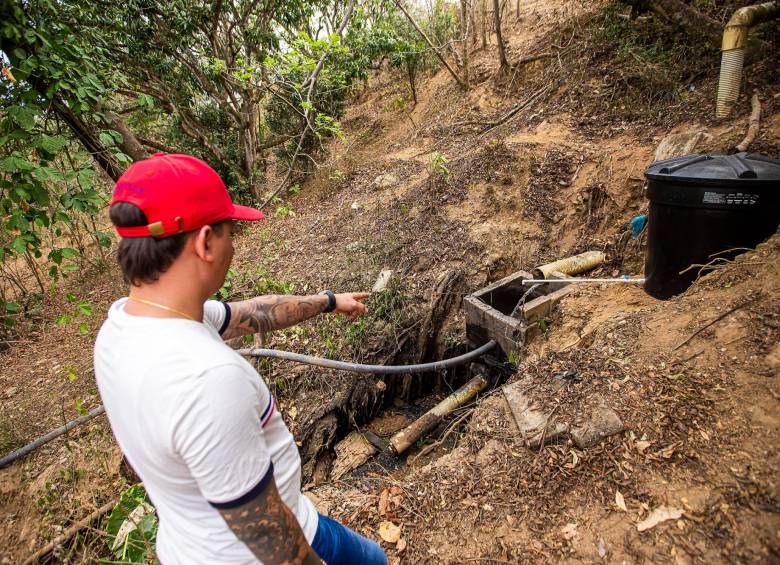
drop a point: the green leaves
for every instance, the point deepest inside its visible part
(8, 312)
(82, 309)
(15, 163)
(132, 527)
(52, 144)
(80, 409)
(106, 139)
(24, 116)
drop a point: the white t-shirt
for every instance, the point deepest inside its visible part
(199, 426)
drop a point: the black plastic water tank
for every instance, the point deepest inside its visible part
(703, 205)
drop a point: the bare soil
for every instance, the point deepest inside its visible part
(561, 176)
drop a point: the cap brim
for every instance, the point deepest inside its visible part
(246, 213)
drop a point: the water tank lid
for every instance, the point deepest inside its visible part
(717, 168)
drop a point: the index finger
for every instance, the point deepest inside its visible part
(360, 295)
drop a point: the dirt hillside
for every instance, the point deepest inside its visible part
(459, 190)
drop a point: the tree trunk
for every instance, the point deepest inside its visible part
(499, 37)
(410, 70)
(517, 11)
(358, 398)
(129, 145)
(427, 40)
(152, 144)
(473, 24)
(464, 28)
(483, 22)
(88, 138)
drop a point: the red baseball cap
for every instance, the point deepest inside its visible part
(178, 193)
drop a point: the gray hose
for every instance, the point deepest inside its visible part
(378, 369)
(22, 451)
(295, 357)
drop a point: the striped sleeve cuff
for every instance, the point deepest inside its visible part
(226, 321)
(250, 495)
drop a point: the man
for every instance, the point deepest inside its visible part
(192, 417)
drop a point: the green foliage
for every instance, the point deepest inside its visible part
(383, 305)
(392, 37)
(132, 528)
(646, 60)
(223, 81)
(346, 339)
(224, 291)
(437, 165)
(79, 406)
(284, 211)
(48, 183)
(79, 310)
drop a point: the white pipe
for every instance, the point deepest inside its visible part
(596, 281)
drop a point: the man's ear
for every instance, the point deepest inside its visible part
(203, 243)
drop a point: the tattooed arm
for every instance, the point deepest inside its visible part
(269, 529)
(268, 313)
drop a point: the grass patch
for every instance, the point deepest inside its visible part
(10, 439)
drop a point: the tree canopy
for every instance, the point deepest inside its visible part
(89, 87)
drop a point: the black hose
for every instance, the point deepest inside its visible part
(273, 353)
(377, 369)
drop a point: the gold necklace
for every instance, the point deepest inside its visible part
(161, 306)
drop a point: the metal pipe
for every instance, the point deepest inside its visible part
(378, 369)
(569, 281)
(733, 47)
(401, 441)
(570, 265)
(22, 451)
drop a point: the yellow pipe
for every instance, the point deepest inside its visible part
(404, 439)
(735, 39)
(570, 265)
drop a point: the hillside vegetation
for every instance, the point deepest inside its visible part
(450, 178)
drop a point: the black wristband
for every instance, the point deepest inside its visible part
(331, 301)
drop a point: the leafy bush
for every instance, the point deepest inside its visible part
(132, 528)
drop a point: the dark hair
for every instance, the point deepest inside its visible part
(144, 259)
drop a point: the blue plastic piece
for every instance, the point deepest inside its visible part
(638, 224)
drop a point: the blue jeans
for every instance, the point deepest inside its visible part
(336, 544)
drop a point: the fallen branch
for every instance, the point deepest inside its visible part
(70, 532)
(513, 112)
(716, 320)
(753, 124)
(531, 59)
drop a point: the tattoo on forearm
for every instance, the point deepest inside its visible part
(267, 313)
(270, 530)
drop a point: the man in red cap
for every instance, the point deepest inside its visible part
(191, 415)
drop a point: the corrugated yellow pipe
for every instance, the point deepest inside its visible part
(570, 265)
(735, 39)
